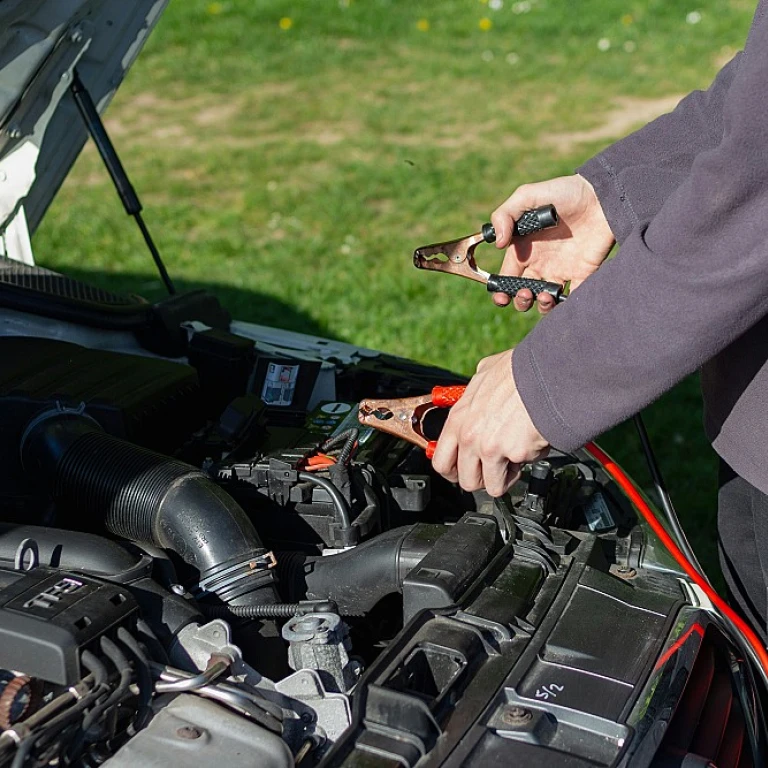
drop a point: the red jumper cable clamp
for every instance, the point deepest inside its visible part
(404, 417)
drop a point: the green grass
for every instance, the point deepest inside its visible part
(296, 169)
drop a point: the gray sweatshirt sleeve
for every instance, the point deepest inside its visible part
(635, 176)
(684, 285)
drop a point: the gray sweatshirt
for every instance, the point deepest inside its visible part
(687, 199)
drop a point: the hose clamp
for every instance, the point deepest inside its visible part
(227, 577)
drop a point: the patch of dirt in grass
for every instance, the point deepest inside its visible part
(467, 138)
(629, 113)
(381, 206)
(217, 114)
(323, 133)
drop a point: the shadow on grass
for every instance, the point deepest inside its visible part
(688, 463)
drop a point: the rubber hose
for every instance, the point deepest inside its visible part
(151, 499)
(339, 502)
(358, 578)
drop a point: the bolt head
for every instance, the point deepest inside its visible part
(14, 132)
(516, 716)
(624, 572)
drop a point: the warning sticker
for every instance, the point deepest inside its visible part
(280, 384)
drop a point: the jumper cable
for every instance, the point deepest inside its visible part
(404, 417)
(457, 257)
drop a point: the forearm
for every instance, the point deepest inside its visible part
(634, 176)
(681, 289)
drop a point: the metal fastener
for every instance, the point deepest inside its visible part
(623, 572)
(188, 732)
(14, 131)
(516, 716)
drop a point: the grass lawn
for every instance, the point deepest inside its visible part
(293, 154)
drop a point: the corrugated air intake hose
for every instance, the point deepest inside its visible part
(152, 499)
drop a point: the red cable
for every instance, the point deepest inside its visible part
(626, 485)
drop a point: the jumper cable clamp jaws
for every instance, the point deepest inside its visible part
(404, 417)
(457, 257)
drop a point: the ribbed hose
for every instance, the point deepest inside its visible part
(128, 486)
(357, 579)
(151, 499)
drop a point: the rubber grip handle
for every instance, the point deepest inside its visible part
(533, 220)
(430, 449)
(445, 397)
(511, 285)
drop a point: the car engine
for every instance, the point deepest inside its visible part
(207, 555)
(206, 558)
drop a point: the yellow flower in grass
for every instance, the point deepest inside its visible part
(285, 23)
(214, 8)
(485, 24)
(422, 25)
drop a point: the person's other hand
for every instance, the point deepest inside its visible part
(571, 251)
(488, 435)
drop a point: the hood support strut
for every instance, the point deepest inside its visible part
(125, 190)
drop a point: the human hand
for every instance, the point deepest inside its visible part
(571, 251)
(488, 435)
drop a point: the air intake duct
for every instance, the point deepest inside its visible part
(152, 499)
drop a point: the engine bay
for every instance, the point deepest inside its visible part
(206, 557)
(280, 577)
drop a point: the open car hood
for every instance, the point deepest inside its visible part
(41, 42)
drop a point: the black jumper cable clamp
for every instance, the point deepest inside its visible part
(457, 257)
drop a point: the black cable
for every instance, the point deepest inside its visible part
(339, 502)
(52, 728)
(350, 446)
(150, 639)
(117, 657)
(24, 748)
(96, 667)
(348, 437)
(666, 502)
(143, 677)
